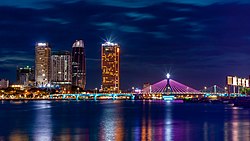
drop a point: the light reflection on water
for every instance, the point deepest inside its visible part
(168, 125)
(17, 136)
(109, 124)
(122, 120)
(42, 126)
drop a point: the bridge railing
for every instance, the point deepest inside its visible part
(224, 94)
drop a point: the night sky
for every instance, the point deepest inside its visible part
(198, 42)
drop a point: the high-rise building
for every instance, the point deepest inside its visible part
(78, 64)
(61, 68)
(4, 83)
(42, 66)
(25, 76)
(110, 67)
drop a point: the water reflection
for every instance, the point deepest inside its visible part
(122, 120)
(168, 125)
(205, 128)
(23, 122)
(42, 126)
(18, 136)
(235, 125)
(146, 127)
(226, 131)
(238, 127)
(111, 125)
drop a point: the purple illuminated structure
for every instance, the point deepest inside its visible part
(169, 86)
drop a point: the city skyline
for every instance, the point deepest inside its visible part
(199, 43)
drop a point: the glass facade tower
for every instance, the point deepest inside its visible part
(78, 64)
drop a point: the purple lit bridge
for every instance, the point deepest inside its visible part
(170, 87)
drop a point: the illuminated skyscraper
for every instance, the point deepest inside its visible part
(78, 64)
(42, 66)
(110, 67)
(25, 75)
(61, 68)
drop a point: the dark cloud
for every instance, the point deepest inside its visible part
(200, 42)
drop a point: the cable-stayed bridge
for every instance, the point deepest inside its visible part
(169, 87)
(164, 87)
(172, 87)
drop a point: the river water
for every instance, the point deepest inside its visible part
(122, 120)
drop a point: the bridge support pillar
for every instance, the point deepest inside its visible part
(114, 96)
(132, 97)
(64, 96)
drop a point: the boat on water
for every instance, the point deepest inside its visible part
(168, 98)
(172, 99)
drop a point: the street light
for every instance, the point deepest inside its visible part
(77, 90)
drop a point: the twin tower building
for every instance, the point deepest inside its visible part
(66, 69)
